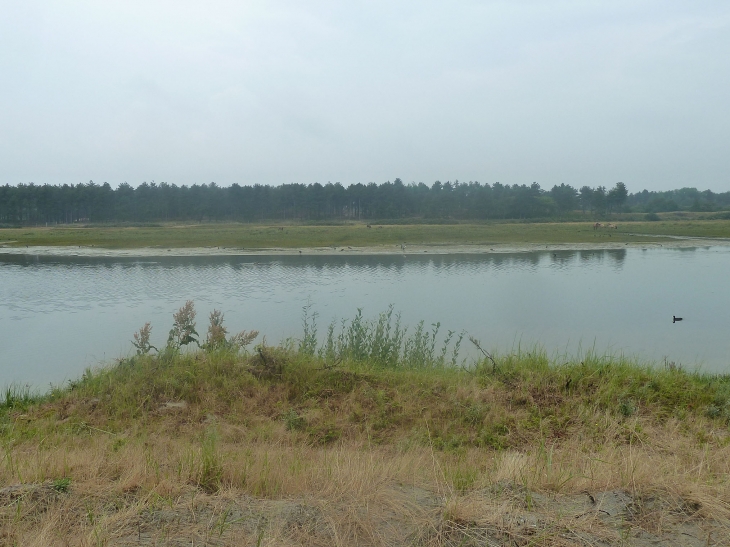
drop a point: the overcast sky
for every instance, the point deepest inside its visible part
(581, 92)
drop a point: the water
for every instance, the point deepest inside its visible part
(61, 315)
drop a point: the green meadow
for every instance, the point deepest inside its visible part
(268, 236)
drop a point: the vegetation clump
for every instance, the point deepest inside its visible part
(183, 333)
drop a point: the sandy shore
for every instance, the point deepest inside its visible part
(437, 249)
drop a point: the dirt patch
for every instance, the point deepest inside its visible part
(505, 514)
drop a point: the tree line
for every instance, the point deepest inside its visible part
(153, 202)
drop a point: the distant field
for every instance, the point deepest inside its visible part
(262, 236)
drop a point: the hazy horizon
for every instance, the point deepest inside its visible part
(429, 184)
(282, 92)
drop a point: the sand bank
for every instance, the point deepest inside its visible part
(437, 249)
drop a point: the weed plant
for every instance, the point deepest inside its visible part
(382, 342)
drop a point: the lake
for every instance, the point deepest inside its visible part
(59, 315)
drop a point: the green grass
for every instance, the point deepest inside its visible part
(532, 398)
(357, 235)
(19, 398)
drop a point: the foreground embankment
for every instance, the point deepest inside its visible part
(280, 446)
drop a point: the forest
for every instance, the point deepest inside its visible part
(31, 204)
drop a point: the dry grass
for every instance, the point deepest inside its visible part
(367, 456)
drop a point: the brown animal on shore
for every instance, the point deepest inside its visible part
(597, 225)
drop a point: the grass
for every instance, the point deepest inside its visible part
(304, 445)
(265, 236)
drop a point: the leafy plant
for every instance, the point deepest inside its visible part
(61, 485)
(242, 339)
(713, 411)
(142, 340)
(308, 343)
(183, 330)
(293, 421)
(216, 331)
(627, 408)
(216, 338)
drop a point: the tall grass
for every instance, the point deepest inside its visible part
(381, 342)
(618, 383)
(19, 398)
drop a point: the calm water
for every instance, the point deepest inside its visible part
(60, 315)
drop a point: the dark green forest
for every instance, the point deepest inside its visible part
(30, 204)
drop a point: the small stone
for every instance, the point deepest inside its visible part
(171, 405)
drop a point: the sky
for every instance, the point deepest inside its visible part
(271, 92)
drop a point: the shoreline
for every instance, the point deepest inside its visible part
(436, 249)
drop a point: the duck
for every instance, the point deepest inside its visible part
(675, 319)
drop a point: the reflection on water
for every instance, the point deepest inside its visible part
(61, 314)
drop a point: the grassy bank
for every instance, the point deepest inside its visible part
(357, 235)
(283, 446)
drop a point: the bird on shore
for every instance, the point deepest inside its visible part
(675, 319)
